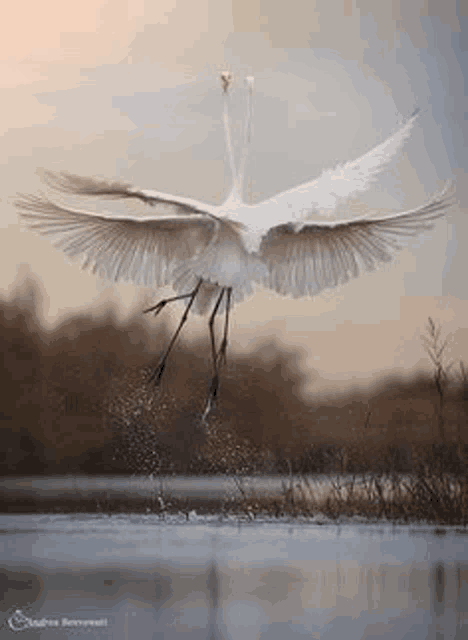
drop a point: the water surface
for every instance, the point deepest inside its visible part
(151, 579)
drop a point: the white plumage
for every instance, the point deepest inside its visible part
(231, 247)
(235, 244)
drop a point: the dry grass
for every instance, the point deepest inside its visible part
(435, 492)
(369, 478)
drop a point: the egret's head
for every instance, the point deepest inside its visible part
(226, 80)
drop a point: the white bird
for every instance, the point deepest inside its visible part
(217, 254)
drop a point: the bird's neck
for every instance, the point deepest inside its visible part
(234, 198)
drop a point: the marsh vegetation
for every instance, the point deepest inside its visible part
(78, 401)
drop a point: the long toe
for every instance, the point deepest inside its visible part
(151, 309)
(159, 307)
(157, 374)
(210, 405)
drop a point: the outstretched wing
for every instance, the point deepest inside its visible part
(342, 182)
(144, 251)
(304, 259)
(84, 186)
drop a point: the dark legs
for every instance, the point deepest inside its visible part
(162, 365)
(222, 349)
(214, 355)
(220, 356)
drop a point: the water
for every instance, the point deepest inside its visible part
(188, 486)
(149, 579)
(77, 488)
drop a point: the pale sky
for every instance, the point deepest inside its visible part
(130, 89)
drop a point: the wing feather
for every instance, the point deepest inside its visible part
(341, 182)
(304, 259)
(167, 204)
(144, 251)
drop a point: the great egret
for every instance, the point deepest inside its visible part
(216, 254)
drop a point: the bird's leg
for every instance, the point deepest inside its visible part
(223, 347)
(160, 306)
(215, 380)
(162, 365)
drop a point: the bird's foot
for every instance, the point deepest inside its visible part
(212, 396)
(157, 308)
(210, 406)
(157, 374)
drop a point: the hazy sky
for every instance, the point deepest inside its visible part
(130, 89)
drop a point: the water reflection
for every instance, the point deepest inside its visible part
(155, 581)
(449, 596)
